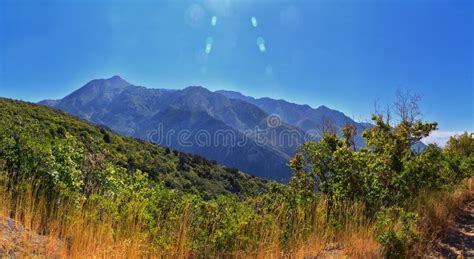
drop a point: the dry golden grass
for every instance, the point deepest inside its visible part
(80, 237)
(361, 244)
(48, 233)
(437, 211)
(71, 233)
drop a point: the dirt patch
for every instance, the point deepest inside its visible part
(459, 239)
(18, 241)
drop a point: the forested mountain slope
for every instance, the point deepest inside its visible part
(50, 136)
(303, 116)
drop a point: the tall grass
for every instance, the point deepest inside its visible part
(437, 212)
(67, 229)
(268, 227)
(260, 227)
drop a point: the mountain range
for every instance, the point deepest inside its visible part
(257, 136)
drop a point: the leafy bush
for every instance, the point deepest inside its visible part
(385, 175)
(396, 231)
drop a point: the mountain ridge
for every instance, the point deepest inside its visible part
(139, 112)
(302, 115)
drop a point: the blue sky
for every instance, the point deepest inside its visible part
(343, 54)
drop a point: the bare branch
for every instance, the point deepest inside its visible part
(326, 126)
(407, 107)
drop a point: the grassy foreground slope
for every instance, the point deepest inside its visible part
(89, 192)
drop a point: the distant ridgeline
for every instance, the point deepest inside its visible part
(258, 136)
(37, 141)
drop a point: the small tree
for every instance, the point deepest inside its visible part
(459, 151)
(384, 173)
(330, 166)
(462, 144)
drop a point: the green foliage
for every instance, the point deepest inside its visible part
(179, 202)
(460, 155)
(331, 167)
(169, 197)
(389, 151)
(396, 230)
(385, 175)
(74, 155)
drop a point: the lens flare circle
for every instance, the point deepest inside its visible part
(213, 21)
(253, 20)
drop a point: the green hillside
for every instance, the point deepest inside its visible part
(49, 137)
(90, 192)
